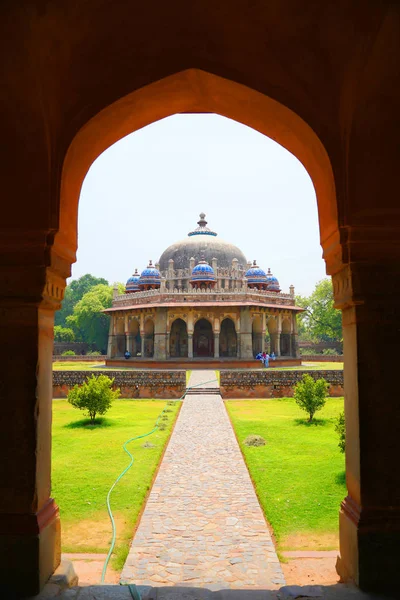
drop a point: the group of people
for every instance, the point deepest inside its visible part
(265, 358)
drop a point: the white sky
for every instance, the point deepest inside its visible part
(146, 192)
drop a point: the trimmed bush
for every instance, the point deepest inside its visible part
(310, 395)
(95, 395)
(68, 353)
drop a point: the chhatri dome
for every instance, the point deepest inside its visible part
(201, 244)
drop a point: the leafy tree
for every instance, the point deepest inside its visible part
(88, 321)
(320, 321)
(340, 428)
(95, 395)
(63, 334)
(75, 292)
(310, 395)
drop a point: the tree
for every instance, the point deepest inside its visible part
(340, 428)
(95, 395)
(75, 292)
(63, 334)
(320, 321)
(310, 395)
(88, 321)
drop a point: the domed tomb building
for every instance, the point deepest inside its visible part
(202, 300)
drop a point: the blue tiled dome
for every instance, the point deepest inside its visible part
(132, 285)
(150, 276)
(255, 275)
(273, 283)
(203, 272)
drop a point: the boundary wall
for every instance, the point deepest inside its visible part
(133, 384)
(273, 384)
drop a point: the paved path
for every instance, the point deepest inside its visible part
(203, 525)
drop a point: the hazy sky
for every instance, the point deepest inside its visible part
(146, 192)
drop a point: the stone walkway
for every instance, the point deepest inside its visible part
(203, 525)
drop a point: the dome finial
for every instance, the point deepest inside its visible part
(202, 228)
(202, 222)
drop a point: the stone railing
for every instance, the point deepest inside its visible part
(193, 295)
(273, 384)
(133, 384)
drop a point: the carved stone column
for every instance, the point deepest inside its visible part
(216, 344)
(190, 345)
(278, 342)
(30, 548)
(370, 514)
(160, 334)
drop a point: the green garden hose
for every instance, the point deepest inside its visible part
(132, 588)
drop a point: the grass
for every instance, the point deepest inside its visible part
(77, 365)
(299, 473)
(86, 461)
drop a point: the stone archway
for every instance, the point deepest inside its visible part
(228, 339)
(56, 128)
(178, 339)
(256, 335)
(149, 338)
(135, 346)
(203, 339)
(286, 337)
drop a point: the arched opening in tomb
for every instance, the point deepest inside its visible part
(134, 342)
(119, 337)
(178, 339)
(203, 339)
(149, 338)
(228, 339)
(286, 337)
(256, 335)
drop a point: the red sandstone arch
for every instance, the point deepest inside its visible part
(194, 90)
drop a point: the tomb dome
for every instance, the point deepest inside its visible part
(150, 277)
(202, 244)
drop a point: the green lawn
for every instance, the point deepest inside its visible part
(299, 473)
(77, 365)
(88, 459)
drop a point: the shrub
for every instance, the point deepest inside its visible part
(94, 353)
(340, 428)
(330, 352)
(311, 395)
(95, 395)
(68, 353)
(254, 440)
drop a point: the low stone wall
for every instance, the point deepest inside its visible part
(80, 358)
(273, 384)
(133, 384)
(321, 358)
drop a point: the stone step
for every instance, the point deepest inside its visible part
(199, 390)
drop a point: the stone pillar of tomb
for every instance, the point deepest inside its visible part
(246, 342)
(294, 337)
(190, 345)
(160, 334)
(216, 330)
(263, 331)
(111, 338)
(142, 334)
(369, 518)
(30, 546)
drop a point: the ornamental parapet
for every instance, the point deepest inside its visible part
(196, 295)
